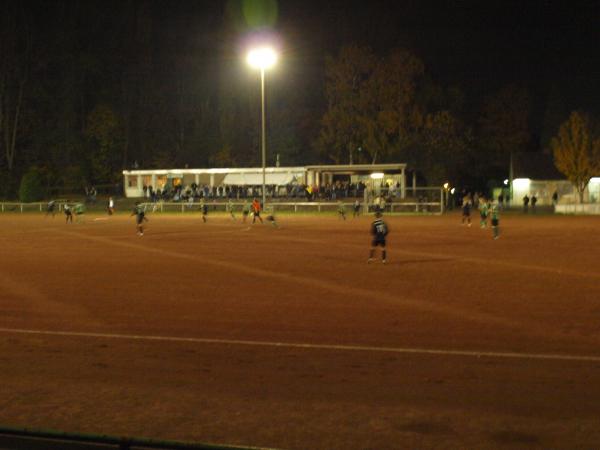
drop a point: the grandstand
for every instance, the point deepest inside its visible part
(314, 176)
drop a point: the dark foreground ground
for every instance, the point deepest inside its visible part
(286, 338)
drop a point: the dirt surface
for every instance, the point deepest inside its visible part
(236, 334)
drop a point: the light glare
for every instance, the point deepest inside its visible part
(262, 58)
(377, 176)
(521, 183)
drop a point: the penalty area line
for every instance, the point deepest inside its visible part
(309, 346)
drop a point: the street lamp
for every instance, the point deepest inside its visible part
(262, 58)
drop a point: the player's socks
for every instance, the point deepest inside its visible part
(383, 253)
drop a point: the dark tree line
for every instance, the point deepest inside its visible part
(90, 88)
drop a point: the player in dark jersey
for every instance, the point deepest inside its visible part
(140, 218)
(356, 209)
(68, 213)
(379, 230)
(204, 209)
(271, 217)
(50, 209)
(466, 210)
(495, 221)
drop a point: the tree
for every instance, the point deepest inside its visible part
(32, 186)
(106, 135)
(505, 123)
(15, 51)
(371, 103)
(445, 143)
(577, 151)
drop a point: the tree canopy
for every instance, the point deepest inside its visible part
(577, 151)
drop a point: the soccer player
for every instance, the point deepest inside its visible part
(495, 222)
(140, 218)
(356, 209)
(379, 230)
(51, 208)
(271, 218)
(68, 213)
(229, 208)
(341, 210)
(204, 209)
(79, 211)
(483, 212)
(111, 206)
(245, 211)
(256, 210)
(466, 210)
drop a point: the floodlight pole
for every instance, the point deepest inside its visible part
(263, 138)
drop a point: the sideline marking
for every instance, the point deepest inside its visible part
(360, 348)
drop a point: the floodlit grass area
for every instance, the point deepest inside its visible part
(237, 334)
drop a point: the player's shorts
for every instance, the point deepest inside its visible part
(245, 212)
(466, 211)
(495, 222)
(378, 241)
(256, 213)
(139, 219)
(68, 213)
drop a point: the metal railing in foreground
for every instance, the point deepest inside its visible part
(30, 439)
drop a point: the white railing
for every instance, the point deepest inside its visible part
(394, 207)
(22, 207)
(28, 207)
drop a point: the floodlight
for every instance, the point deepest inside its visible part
(377, 175)
(262, 58)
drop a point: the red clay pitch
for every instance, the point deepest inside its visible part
(237, 334)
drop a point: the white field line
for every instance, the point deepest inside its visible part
(308, 346)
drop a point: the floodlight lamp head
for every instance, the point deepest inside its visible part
(262, 58)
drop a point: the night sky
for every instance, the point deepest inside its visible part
(479, 46)
(171, 78)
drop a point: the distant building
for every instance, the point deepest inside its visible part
(535, 174)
